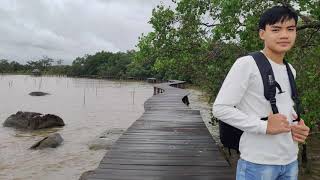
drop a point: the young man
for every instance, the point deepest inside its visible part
(268, 148)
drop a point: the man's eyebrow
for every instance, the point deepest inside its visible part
(279, 27)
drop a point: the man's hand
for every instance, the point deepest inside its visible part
(300, 131)
(277, 123)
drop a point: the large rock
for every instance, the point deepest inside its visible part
(38, 93)
(52, 141)
(33, 121)
(106, 139)
(85, 175)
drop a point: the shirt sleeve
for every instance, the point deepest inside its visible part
(230, 95)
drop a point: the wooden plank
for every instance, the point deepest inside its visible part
(163, 177)
(165, 168)
(163, 155)
(144, 172)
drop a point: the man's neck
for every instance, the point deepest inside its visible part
(275, 57)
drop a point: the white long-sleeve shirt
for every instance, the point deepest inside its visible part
(241, 103)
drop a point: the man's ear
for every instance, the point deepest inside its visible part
(261, 33)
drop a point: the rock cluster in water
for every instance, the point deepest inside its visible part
(33, 121)
(38, 93)
(52, 141)
(106, 139)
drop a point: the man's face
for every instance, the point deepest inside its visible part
(279, 37)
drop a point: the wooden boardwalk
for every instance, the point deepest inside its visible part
(168, 142)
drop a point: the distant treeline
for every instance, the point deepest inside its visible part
(45, 65)
(102, 64)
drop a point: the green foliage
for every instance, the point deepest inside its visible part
(13, 66)
(176, 43)
(105, 64)
(4, 66)
(115, 66)
(42, 64)
(58, 70)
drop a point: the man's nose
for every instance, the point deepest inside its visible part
(284, 34)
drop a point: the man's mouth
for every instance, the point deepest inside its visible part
(283, 42)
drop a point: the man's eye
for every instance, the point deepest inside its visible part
(275, 30)
(291, 29)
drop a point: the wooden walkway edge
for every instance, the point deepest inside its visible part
(168, 142)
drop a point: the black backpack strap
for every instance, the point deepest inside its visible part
(294, 92)
(268, 79)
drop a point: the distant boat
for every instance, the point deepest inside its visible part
(36, 72)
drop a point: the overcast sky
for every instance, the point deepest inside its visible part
(67, 29)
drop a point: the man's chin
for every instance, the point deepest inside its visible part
(282, 50)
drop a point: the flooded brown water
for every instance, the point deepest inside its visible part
(88, 107)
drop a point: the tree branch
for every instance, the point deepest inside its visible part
(313, 25)
(310, 37)
(208, 25)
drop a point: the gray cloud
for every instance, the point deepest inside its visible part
(67, 29)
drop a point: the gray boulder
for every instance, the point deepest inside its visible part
(106, 139)
(33, 121)
(85, 175)
(38, 93)
(52, 141)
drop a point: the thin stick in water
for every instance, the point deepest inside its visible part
(84, 96)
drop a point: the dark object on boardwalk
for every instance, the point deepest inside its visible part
(38, 93)
(185, 100)
(36, 72)
(33, 121)
(52, 141)
(229, 135)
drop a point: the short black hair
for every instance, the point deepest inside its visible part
(277, 14)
